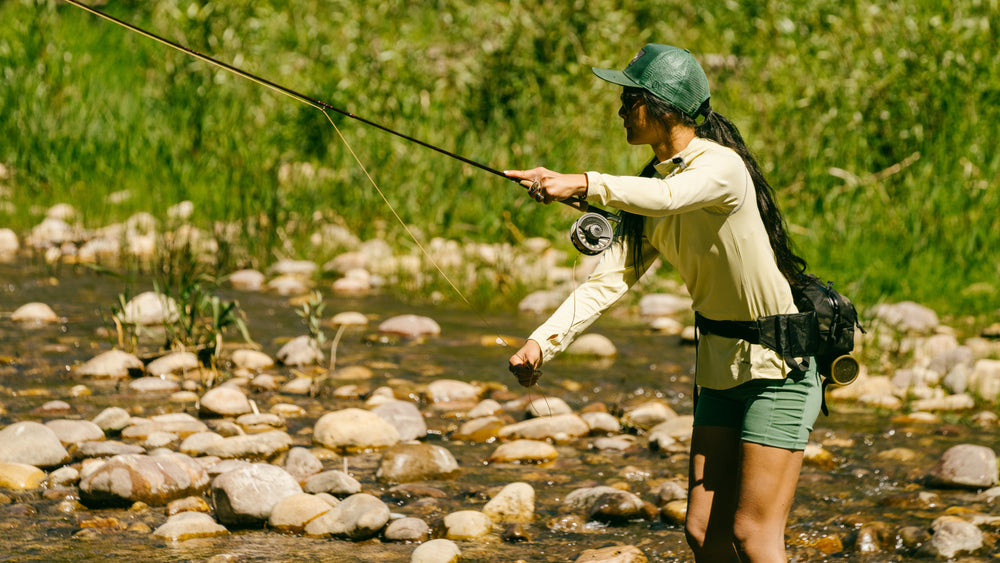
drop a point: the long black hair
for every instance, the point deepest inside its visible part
(719, 129)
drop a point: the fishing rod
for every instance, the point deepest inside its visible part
(591, 234)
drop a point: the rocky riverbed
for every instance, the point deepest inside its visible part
(404, 439)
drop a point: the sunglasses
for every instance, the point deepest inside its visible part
(630, 99)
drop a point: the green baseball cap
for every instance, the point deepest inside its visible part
(670, 73)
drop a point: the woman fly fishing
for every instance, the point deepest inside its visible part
(704, 206)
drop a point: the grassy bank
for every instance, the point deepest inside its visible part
(874, 120)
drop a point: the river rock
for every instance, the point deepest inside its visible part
(349, 319)
(437, 551)
(292, 513)
(248, 446)
(112, 419)
(111, 364)
(592, 345)
(155, 480)
(542, 301)
(105, 448)
(300, 351)
(548, 406)
(174, 362)
(188, 525)
(256, 423)
(34, 313)
(357, 517)
(405, 416)
(20, 476)
(559, 428)
(302, 464)
(601, 423)
(151, 308)
(246, 496)
(252, 360)
(467, 525)
(665, 434)
(289, 284)
(410, 326)
(31, 443)
(407, 529)
(653, 305)
(65, 476)
(484, 429)
(181, 424)
(515, 503)
(966, 466)
(606, 504)
(486, 407)
(952, 536)
(153, 385)
(405, 463)
(612, 554)
(985, 380)
(333, 482)
(9, 245)
(524, 451)
(247, 280)
(75, 431)
(354, 430)
(648, 415)
(906, 316)
(451, 390)
(224, 401)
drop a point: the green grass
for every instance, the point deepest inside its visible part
(874, 120)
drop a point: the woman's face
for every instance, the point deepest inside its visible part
(640, 129)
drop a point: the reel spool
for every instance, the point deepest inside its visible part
(591, 234)
(844, 370)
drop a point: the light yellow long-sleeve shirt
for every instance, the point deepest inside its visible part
(701, 216)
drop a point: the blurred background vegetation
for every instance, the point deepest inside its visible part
(873, 119)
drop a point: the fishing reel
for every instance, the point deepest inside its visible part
(592, 233)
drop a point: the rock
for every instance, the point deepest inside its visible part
(437, 551)
(906, 316)
(188, 504)
(34, 313)
(592, 345)
(75, 431)
(225, 401)
(985, 380)
(408, 529)
(653, 305)
(515, 503)
(20, 476)
(601, 423)
(31, 443)
(349, 318)
(300, 351)
(302, 464)
(112, 419)
(451, 390)
(65, 476)
(524, 451)
(292, 513)
(252, 360)
(952, 536)
(247, 495)
(612, 554)
(487, 407)
(404, 463)
(334, 482)
(467, 525)
(154, 480)
(678, 429)
(181, 424)
(620, 443)
(541, 302)
(648, 415)
(175, 362)
(188, 525)
(9, 245)
(410, 326)
(358, 517)
(289, 284)
(248, 446)
(113, 364)
(606, 504)
(151, 308)
(405, 416)
(675, 512)
(105, 448)
(247, 280)
(548, 406)
(966, 466)
(354, 430)
(485, 429)
(559, 428)
(153, 385)
(256, 423)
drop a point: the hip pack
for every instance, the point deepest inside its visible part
(822, 329)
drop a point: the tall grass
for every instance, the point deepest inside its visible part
(874, 120)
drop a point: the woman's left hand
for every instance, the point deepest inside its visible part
(546, 186)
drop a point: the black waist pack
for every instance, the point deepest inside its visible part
(823, 328)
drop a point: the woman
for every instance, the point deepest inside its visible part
(708, 210)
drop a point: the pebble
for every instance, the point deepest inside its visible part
(612, 554)
(967, 466)
(515, 503)
(252, 360)
(34, 313)
(188, 525)
(154, 480)
(20, 476)
(247, 280)
(224, 401)
(31, 443)
(245, 496)
(560, 428)
(358, 517)
(354, 429)
(293, 513)
(113, 364)
(72, 432)
(437, 551)
(151, 308)
(592, 345)
(408, 529)
(410, 326)
(334, 482)
(408, 462)
(524, 451)
(174, 362)
(467, 525)
(451, 390)
(300, 351)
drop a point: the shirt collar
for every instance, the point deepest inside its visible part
(683, 159)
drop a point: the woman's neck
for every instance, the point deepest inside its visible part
(676, 140)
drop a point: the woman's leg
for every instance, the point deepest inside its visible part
(713, 486)
(767, 481)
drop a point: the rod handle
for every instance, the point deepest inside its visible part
(574, 202)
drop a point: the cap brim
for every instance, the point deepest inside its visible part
(615, 77)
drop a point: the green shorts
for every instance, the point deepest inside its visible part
(771, 412)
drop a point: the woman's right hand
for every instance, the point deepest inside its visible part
(524, 363)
